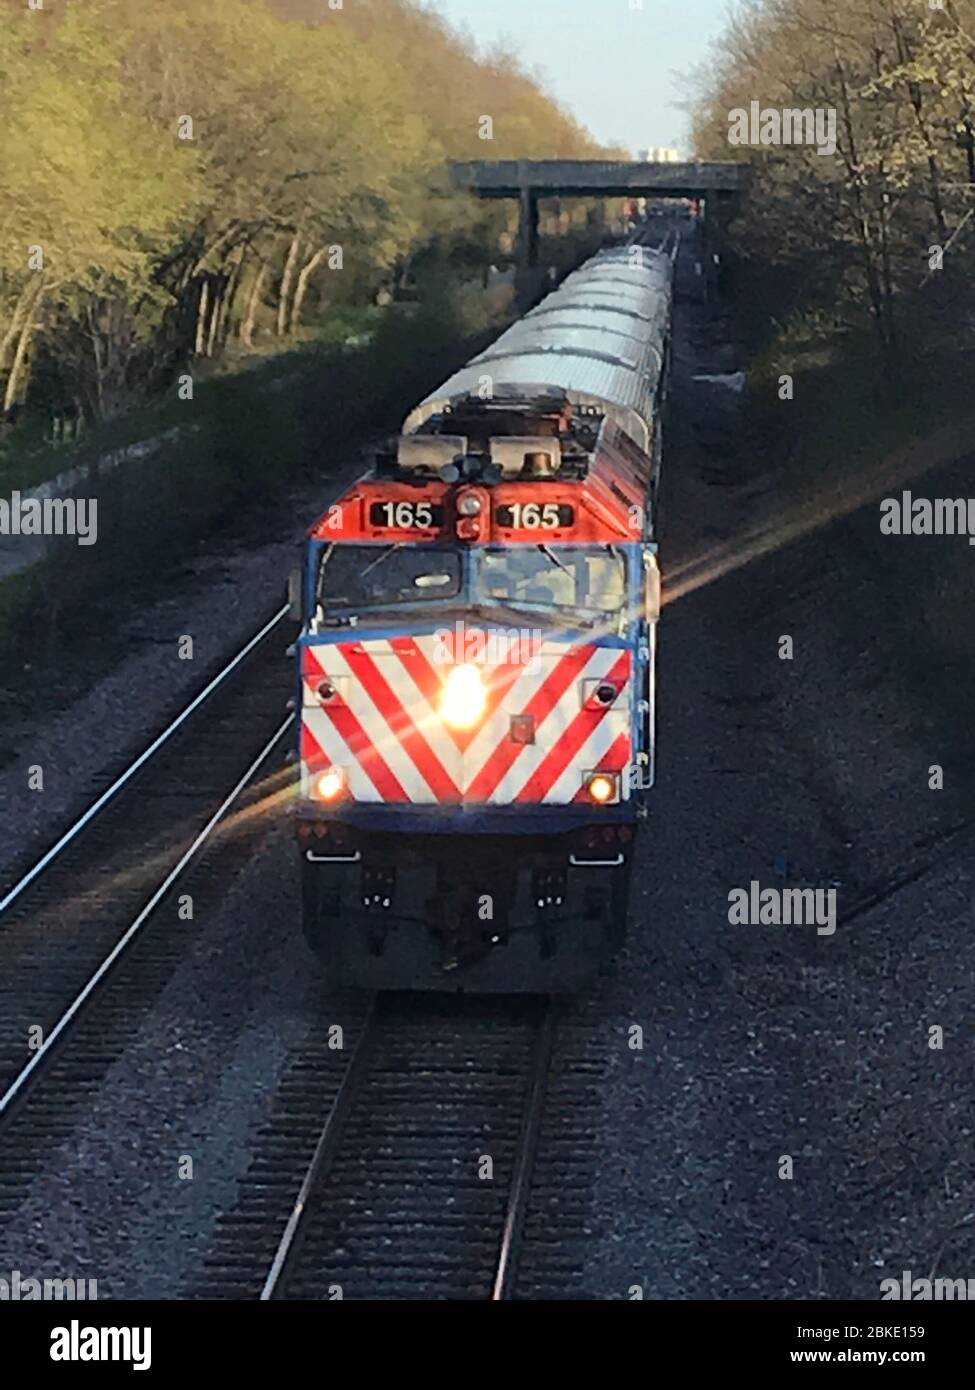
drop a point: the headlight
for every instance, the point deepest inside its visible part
(602, 788)
(463, 700)
(329, 785)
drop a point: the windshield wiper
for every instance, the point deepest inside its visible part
(551, 555)
(379, 560)
(555, 616)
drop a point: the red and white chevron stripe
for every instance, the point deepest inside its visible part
(385, 730)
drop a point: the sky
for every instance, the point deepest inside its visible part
(616, 68)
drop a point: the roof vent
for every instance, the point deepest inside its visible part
(537, 465)
(429, 451)
(512, 453)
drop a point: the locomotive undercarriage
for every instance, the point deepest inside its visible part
(479, 913)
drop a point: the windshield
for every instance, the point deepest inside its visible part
(370, 576)
(589, 579)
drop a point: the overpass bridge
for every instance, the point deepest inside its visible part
(530, 179)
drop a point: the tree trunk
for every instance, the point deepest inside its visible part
(201, 316)
(253, 299)
(228, 298)
(969, 145)
(20, 354)
(862, 215)
(197, 266)
(892, 356)
(304, 279)
(16, 320)
(96, 347)
(905, 55)
(284, 298)
(216, 313)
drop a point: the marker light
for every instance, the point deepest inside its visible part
(463, 700)
(330, 785)
(601, 788)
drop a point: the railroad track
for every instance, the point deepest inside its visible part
(78, 968)
(400, 1167)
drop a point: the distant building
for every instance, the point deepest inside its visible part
(660, 154)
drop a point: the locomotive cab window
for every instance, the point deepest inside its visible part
(590, 579)
(355, 577)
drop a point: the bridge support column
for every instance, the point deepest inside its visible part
(719, 210)
(528, 228)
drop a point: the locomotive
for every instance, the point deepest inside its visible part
(476, 662)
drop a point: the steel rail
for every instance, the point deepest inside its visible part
(106, 796)
(12, 1092)
(506, 1271)
(326, 1148)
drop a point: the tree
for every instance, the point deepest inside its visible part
(859, 229)
(192, 173)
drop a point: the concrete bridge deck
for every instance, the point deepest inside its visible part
(509, 178)
(531, 179)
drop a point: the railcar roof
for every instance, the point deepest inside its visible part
(597, 340)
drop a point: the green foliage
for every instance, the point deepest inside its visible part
(208, 176)
(859, 231)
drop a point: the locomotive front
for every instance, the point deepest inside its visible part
(476, 691)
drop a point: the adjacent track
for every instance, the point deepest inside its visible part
(73, 920)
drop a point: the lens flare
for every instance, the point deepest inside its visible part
(464, 699)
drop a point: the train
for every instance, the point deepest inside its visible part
(476, 664)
